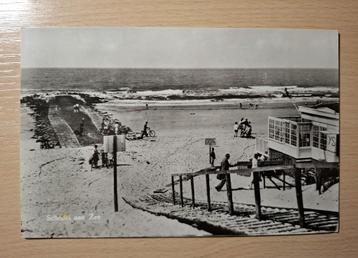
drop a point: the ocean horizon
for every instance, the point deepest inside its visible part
(184, 79)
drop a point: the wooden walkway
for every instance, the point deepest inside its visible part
(274, 220)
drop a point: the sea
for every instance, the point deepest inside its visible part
(161, 79)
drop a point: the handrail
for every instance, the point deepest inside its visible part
(264, 166)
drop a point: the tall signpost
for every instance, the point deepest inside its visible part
(210, 142)
(115, 189)
(113, 144)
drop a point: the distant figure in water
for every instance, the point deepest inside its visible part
(95, 158)
(212, 157)
(287, 94)
(225, 165)
(236, 129)
(146, 106)
(240, 105)
(144, 132)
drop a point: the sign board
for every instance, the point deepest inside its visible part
(210, 141)
(108, 143)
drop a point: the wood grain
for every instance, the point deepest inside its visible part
(340, 15)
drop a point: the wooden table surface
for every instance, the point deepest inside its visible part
(340, 15)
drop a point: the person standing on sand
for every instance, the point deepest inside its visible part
(95, 157)
(225, 165)
(212, 157)
(236, 129)
(104, 159)
(116, 128)
(254, 164)
(82, 126)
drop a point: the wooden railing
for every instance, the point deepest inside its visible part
(242, 169)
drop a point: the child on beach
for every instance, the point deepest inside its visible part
(236, 129)
(116, 128)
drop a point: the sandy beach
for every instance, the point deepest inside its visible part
(63, 197)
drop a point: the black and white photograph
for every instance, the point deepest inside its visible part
(179, 132)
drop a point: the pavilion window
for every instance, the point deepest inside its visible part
(271, 128)
(323, 139)
(287, 132)
(304, 135)
(315, 136)
(293, 134)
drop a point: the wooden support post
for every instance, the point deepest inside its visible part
(208, 191)
(264, 179)
(284, 180)
(192, 191)
(229, 193)
(273, 182)
(181, 190)
(115, 190)
(257, 194)
(173, 190)
(301, 213)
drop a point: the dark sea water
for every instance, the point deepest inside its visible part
(159, 79)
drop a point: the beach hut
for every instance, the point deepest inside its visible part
(312, 137)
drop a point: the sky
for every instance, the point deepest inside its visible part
(178, 48)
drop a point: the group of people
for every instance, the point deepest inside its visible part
(109, 126)
(251, 106)
(76, 108)
(225, 166)
(245, 128)
(106, 161)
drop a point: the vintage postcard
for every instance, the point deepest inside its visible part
(167, 132)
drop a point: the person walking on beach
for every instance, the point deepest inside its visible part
(236, 129)
(144, 132)
(212, 157)
(225, 165)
